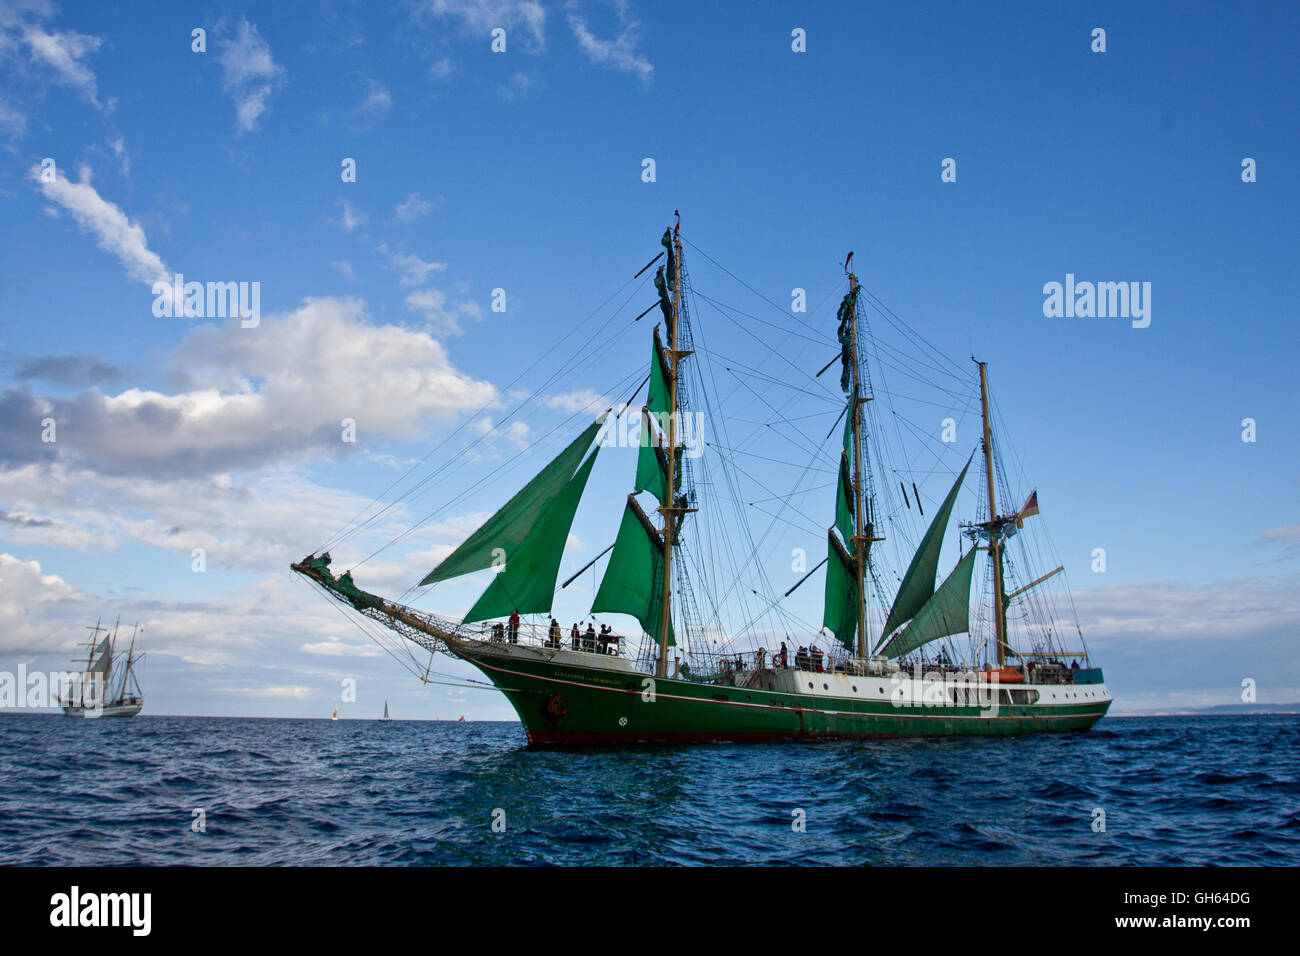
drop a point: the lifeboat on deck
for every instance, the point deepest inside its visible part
(1004, 675)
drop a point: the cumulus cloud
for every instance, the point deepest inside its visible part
(27, 595)
(249, 74)
(248, 398)
(65, 369)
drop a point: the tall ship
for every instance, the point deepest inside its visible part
(107, 684)
(717, 654)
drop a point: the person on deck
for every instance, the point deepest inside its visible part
(817, 659)
(783, 657)
(514, 626)
(602, 643)
(553, 635)
(575, 636)
(589, 638)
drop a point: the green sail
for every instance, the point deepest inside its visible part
(651, 462)
(918, 582)
(527, 584)
(841, 615)
(507, 529)
(633, 581)
(657, 397)
(844, 502)
(947, 612)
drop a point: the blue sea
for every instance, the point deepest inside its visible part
(1173, 791)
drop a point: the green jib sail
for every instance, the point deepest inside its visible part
(503, 533)
(527, 584)
(841, 593)
(918, 582)
(633, 582)
(947, 612)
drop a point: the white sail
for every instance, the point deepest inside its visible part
(101, 662)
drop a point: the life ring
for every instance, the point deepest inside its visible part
(557, 706)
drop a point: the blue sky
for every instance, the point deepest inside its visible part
(522, 170)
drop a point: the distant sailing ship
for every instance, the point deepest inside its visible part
(335, 715)
(106, 690)
(385, 717)
(875, 680)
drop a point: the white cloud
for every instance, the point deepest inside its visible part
(414, 206)
(253, 397)
(481, 17)
(517, 86)
(378, 102)
(1172, 611)
(333, 647)
(414, 270)
(66, 53)
(113, 231)
(345, 270)
(620, 52)
(1288, 536)
(441, 315)
(118, 146)
(351, 218)
(578, 401)
(250, 74)
(12, 122)
(27, 596)
(274, 691)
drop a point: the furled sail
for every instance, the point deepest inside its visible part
(947, 612)
(841, 615)
(633, 582)
(503, 533)
(845, 335)
(527, 583)
(918, 582)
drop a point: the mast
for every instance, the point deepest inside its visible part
(112, 646)
(994, 530)
(130, 656)
(863, 536)
(669, 511)
(90, 657)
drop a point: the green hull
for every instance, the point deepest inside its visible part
(567, 704)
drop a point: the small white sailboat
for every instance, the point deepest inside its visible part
(385, 717)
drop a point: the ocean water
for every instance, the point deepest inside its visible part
(1174, 790)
